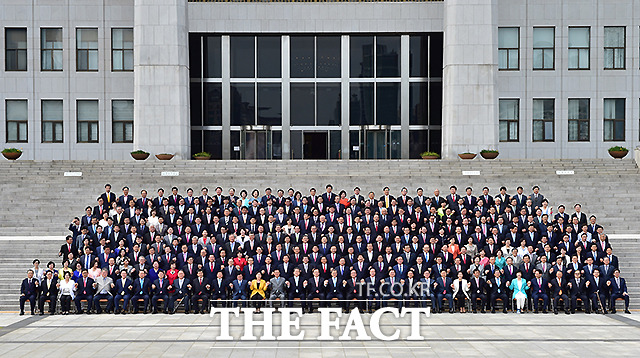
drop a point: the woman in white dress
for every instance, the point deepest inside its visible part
(519, 286)
(289, 228)
(546, 209)
(113, 209)
(507, 248)
(38, 272)
(95, 270)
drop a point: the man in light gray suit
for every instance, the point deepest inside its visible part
(277, 284)
(103, 285)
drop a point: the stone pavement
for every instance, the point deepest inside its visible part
(446, 335)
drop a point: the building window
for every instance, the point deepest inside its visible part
(87, 118)
(543, 48)
(122, 119)
(122, 50)
(87, 49)
(508, 48)
(52, 121)
(614, 119)
(579, 109)
(51, 49)
(509, 117)
(543, 118)
(16, 49)
(614, 42)
(16, 114)
(579, 48)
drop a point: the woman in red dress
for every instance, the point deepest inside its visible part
(172, 274)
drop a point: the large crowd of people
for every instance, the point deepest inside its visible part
(466, 253)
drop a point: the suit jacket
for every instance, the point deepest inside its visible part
(29, 289)
(143, 288)
(52, 290)
(108, 199)
(442, 287)
(161, 289)
(181, 290)
(618, 289)
(85, 289)
(123, 289)
(558, 288)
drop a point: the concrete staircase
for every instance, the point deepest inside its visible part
(17, 256)
(38, 199)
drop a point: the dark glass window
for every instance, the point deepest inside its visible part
(388, 103)
(302, 56)
(212, 143)
(328, 56)
(269, 52)
(269, 104)
(361, 56)
(212, 104)
(388, 56)
(195, 56)
(436, 52)
(361, 104)
(16, 49)
(242, 56)
(419, 56)
(435, 103)
(195, 101)
(328, 104)
(418, 97)
(335, 144)
(302, 104)
(418, 143)
(242, 104)
(213, 57)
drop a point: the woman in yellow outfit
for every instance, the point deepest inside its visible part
(258, 289)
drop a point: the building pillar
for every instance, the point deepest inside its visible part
(470, 104)
(161, 73)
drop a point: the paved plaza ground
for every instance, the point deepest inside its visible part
(447, 335)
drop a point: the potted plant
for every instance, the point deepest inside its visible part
(202, 156)
(616, 152)
(140, 154)
(489, 153)
(164, 156)
(12, 153)
(467, 155)
(430, 155)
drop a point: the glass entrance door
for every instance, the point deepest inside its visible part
(260, 143)
(375, 142)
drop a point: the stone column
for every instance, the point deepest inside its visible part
(470, 104)
(161, 72)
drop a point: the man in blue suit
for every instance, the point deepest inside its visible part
(141, 290)
(123, 292)
(160, 289)
(618, 290)
(442, 289)
(28, 292)
(239, 289)
(539, 291)
(84, 291)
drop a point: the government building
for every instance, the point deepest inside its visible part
(97, 79)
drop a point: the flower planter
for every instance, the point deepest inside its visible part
(618, 154)
(201, 158)
(429, 157)
(164, 156)
(489, 155)
(140, 156)
(467, 156)
(12, 155)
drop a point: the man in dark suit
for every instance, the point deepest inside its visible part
(48, 291)
(315, 288)
(125, 198)
(160, 289)
(597, 291)
(28, 292)
(578, 289)
(141, 290)
(498, 289)
(239, 290)
(539, 291)
(297, 288)
(200, 289)
(477, 291)
(218, 288)
(123, 292)
(181, 287)
(618, 287)
(68, 247)
(84, 291)
(108, 197)
(559, 292)
(442, 289)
